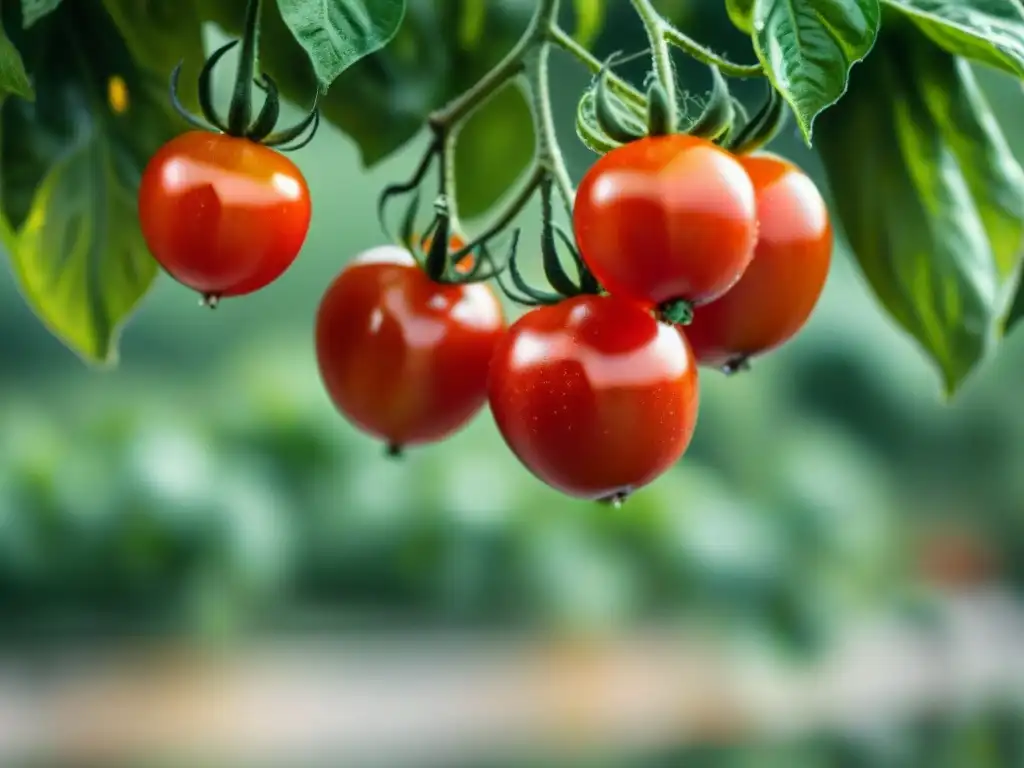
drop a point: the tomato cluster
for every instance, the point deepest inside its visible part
(703, 257)
(596, 394)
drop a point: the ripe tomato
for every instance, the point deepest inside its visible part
(402, 357)
(666, 218)
(778, 292)
(222, 215)
(595, 396)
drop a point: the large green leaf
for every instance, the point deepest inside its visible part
(70, 164)
(160, 34)
(807, 48)
(929, 196)
(988, 31)
(500, 130)
(33, 10)
(382, 101)
(13, 78)
(335, 34)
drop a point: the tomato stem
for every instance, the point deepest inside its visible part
(240, 110)
(661, 56)
(705, 55)
(240, 121)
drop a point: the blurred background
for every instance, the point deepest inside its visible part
(201, 563)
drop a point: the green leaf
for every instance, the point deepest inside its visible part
(160, 34)
(33, 10)
(589, 20)
(471, 25)
(741, 14)
(928, 194)
(501, 129)
(337, 33)
(70, 164)
(13, 78)
(987, 31)
(807, 48)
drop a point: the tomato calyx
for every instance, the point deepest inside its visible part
(759, 129)
(563, 286)
(474, 261)
(240, 122)
(677, 312)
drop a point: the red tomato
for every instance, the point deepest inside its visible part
(595, 396)
(666, 218)
(402, 357)
(223, 215)
(778, 292)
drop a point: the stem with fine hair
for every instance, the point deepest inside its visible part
(661, 55)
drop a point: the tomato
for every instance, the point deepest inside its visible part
(402, 357)
(223, 215)
(776, 295)
(666, 218)
(594, 395)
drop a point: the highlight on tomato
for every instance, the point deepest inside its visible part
(595, 396)
(221, 210)
(666, 219)
(778, 292)
(402, 357)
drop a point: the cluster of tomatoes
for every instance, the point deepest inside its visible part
(704, 258)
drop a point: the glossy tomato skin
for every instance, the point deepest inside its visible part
(778, 292)
(402, 357)
(666, 218)
(223, 215)
(594, 396)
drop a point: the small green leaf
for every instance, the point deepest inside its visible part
(987, 31)
(33, 10)
(807, 48)
(13, 78)
(741, 14)
(928, 194)
(499, 129)
(70, 164)
(589, 20)
(337, 33)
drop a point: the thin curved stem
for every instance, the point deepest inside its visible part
(506, 69)
(661, 55)
(549, 153)
(706, 55)
(565, 41)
